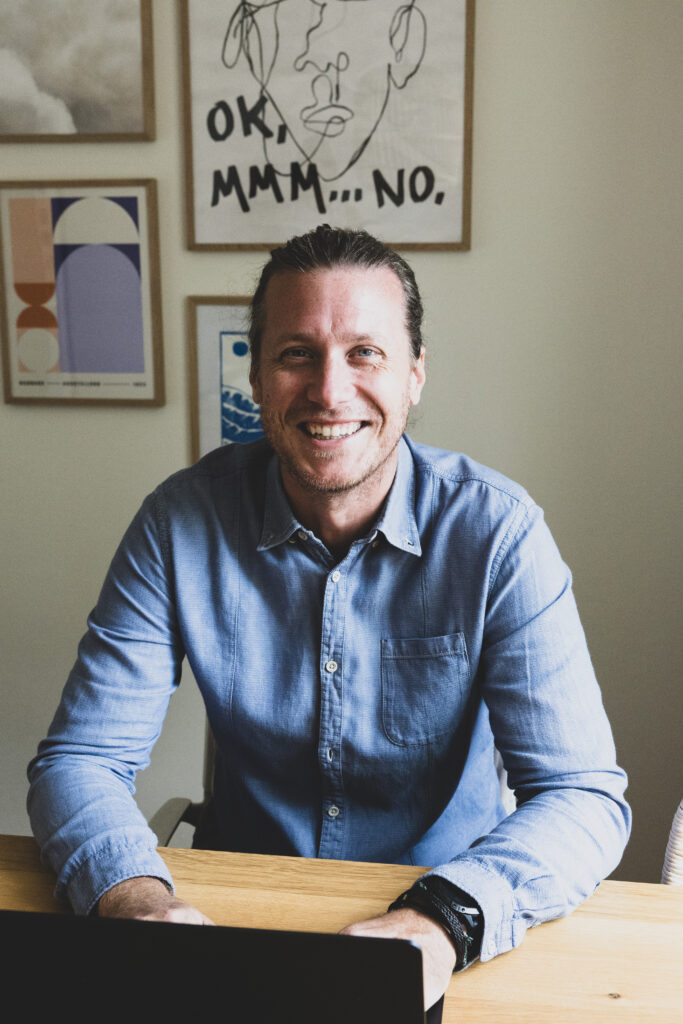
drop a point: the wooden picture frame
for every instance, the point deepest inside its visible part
(79, 269)
(51, 92)
(221, 407)
(373, 130)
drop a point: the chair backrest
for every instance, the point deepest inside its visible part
(165, 821)
(181, 809)
(672, 871)
(209, 763)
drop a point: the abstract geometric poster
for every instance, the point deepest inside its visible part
(353, 113)
(223, 411)
(79, 293)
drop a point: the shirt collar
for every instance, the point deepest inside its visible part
(279, 522)
(396, 519)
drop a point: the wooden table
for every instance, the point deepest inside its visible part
(617, 958)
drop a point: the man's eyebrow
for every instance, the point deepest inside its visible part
(308, 339)
(282, 339)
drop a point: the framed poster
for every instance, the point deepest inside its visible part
(79, 269)
(354, 114)
(221, 407)
(76, 71)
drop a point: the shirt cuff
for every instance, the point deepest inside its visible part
(106, 864)
(493, 895)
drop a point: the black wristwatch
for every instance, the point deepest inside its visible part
(453, 909)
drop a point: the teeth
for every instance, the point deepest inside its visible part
(334, 431)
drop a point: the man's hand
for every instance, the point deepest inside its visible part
(148, 899)
(438, 954)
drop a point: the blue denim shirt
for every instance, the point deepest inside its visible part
(355, 705)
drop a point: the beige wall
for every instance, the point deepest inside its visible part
(553, 350)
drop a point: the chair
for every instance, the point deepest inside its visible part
(166, 820)
(672, 871)
(179, 809)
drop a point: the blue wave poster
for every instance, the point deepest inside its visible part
(222, 406)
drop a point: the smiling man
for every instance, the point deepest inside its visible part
(335, 377)
(371, 622)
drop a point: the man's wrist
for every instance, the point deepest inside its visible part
(457, 913)
(117, 901)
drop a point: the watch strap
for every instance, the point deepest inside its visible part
(457, 913)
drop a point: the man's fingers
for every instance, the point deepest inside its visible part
(438, 954)
(176, 912)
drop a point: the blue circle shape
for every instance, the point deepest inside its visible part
(240, 348)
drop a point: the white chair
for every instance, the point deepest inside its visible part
(672, 871)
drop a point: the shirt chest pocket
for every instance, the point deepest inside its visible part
(425, 685)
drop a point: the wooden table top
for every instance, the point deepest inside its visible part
(617, 958)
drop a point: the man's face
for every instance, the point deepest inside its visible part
(336, 378)
(322, 80)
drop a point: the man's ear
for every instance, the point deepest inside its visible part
(408, 38)
(417, 378)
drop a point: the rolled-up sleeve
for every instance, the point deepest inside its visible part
(546, 712)
(80, 800)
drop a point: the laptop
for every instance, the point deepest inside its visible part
(106, 969)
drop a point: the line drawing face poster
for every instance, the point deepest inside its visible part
(223, 411)
(351, 112)
(82, 313)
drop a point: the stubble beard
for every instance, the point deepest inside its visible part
(314, 484)
(318, 485)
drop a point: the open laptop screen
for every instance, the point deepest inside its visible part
(91, 968)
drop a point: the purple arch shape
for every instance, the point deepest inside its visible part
(62, 251)
(99, 308)
(132, 252)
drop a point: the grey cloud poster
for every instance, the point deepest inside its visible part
(75, 70)
(354, 112)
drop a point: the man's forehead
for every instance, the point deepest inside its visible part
(362, 297)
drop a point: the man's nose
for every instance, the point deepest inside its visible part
(331, 384)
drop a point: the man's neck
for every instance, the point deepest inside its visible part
(340, 518)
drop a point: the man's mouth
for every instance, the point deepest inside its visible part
(327, 431)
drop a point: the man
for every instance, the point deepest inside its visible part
(312, 64)
(364, 616)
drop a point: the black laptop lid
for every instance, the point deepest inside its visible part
(92, 969)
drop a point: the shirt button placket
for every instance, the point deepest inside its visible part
(331, 715)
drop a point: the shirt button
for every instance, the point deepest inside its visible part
(375, 543)
(301, 535)
(333, 811)
(330, 753)
(331, 666)
(336, 576)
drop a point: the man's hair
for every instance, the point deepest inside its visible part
(326, 248)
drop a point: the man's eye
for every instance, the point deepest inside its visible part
(366, 352)
(295, 353)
